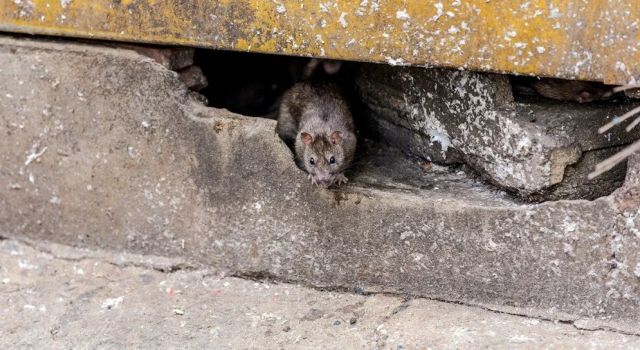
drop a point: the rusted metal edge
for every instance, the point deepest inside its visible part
(591, 40)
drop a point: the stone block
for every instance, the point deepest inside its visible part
(467, 117)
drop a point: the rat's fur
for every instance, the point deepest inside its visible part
(316, 119)
(572, 90)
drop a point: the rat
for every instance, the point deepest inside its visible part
(572, 90)
(315, 118)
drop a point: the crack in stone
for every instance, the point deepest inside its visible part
(167, 267)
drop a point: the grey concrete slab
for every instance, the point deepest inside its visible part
(57, 297)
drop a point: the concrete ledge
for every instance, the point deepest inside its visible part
(103, 147)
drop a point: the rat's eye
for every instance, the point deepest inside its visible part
(332, 160)
(312, 161)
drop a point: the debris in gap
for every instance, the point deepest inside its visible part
(619, 157)
(35, 154)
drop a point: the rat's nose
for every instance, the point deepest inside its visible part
(324, 177)
(323, 180)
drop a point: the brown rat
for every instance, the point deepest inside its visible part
(315, 117)
(572, 90)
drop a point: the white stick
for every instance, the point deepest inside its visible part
(612, 161)
(625, 87)
(617, 120)
(633, 124)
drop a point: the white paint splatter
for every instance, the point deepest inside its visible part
(403, 15)
(342, 20)
(65, 3)
(439, 8)
(540, 49)
(281, 8)
(509, 35)
(395, 61)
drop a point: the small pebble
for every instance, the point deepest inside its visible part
(178, 312)
(353, 320)
(336, 323)
(286, 328)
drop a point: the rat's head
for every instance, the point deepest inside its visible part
(323, 156)
(594, 92)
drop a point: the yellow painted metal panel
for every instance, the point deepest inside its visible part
(591, 40)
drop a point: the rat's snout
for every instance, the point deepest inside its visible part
(323, 180)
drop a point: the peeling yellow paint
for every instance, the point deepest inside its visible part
(591, 40)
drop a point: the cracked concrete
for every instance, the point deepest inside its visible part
(103, 148)
(541, 150)
(58, 297)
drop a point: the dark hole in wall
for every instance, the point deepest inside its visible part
(248, 84)
(252, 84)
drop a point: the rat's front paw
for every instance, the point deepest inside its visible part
(340, 179)
(313, 180)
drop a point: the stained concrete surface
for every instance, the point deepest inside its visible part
(102, 147)
(57, 297)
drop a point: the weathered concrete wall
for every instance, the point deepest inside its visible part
(103, 147)
(536, 150)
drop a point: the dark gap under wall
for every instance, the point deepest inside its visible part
(252, 84)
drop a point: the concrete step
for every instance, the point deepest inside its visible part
(58, 297)
(103, 147)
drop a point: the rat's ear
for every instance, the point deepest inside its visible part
(331, 67)
(306, 138)
(336, 137)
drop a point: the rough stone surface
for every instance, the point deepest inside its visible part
(173, 58)
(59, 298)
(103, 148)
(454, 116)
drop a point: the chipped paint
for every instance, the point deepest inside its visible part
(566, 38)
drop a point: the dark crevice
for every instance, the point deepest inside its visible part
(252, 84)
(163, 268)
